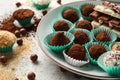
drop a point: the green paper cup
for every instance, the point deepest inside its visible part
(85, 17)
(112, 70)
(68, 7)
(58, 48)
(25, 22)
(68, 22)
(87, 32)
(6, 48)
(87, 46)
(112, 35)
(73, 61)
(40, 6)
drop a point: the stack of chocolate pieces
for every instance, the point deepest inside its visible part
(107, 14)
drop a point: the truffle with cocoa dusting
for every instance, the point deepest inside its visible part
(61, 25)
(96, 50)
(71, 15)
(59, 39)
(85, 24)
(21, 14)
(102, 36)
(87, 9)
(81, 37)
(76, 51)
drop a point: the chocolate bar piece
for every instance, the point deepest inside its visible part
(112, 6)
(104, 19)
(95, 14)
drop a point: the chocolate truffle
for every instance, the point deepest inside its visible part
(76, 51)
(59, 39)
(85, 24)
(116, 46)
(71, 15)
(21, 14)
(96, 50)
(102, 36)
(61, 25)
(81, 37)
(112, 58)
(86, 10)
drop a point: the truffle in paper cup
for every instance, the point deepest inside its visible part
(58, 48)
(87, 32)
(73, 61)
(88, 46)
(7, 40)
(41, 4)
(88, 10)
(70, 25)
(111, 34)
(110, 69)
(71, 14)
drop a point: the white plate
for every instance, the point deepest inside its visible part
(45, 28)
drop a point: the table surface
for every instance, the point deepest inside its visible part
(47, 69)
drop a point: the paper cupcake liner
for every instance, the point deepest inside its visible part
(26, 21)
(87, 46)
(40, 6)
(87, 32)
(70, 24)
(85, 17)
(112, 70)
(68, 7)
(6, 49)
(58, 48)
(112, 35)
(73, 61)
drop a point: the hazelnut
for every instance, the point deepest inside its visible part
(18, 4)
(23, 31)
(31, 76)
(17, 33)
(20, 42)
(34, 57)
(44, 12)
(3, 59)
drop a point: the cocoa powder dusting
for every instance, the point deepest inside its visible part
(7, 24)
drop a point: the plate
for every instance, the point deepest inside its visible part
(44, 28)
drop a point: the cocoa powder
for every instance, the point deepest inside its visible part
(7, 24)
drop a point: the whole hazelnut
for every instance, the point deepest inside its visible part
(31, 76)
(34, 57)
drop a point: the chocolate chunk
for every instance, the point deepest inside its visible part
(95, 15)
(44, 12)
(20, 42)
(31, 76)
(59, 1)
(104, 19)
(23, 31)
(3, 59)
(34, 57)
(17, 33)
(114, 22)
(18, 4)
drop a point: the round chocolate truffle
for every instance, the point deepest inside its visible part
(102, 36)
(76, 51)
(96, 50)
(61, 25)
(85, 24)
(81, 37)
(22, 14)
(59, 39)
(116, 46)
(71, 15)
(86, 10)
